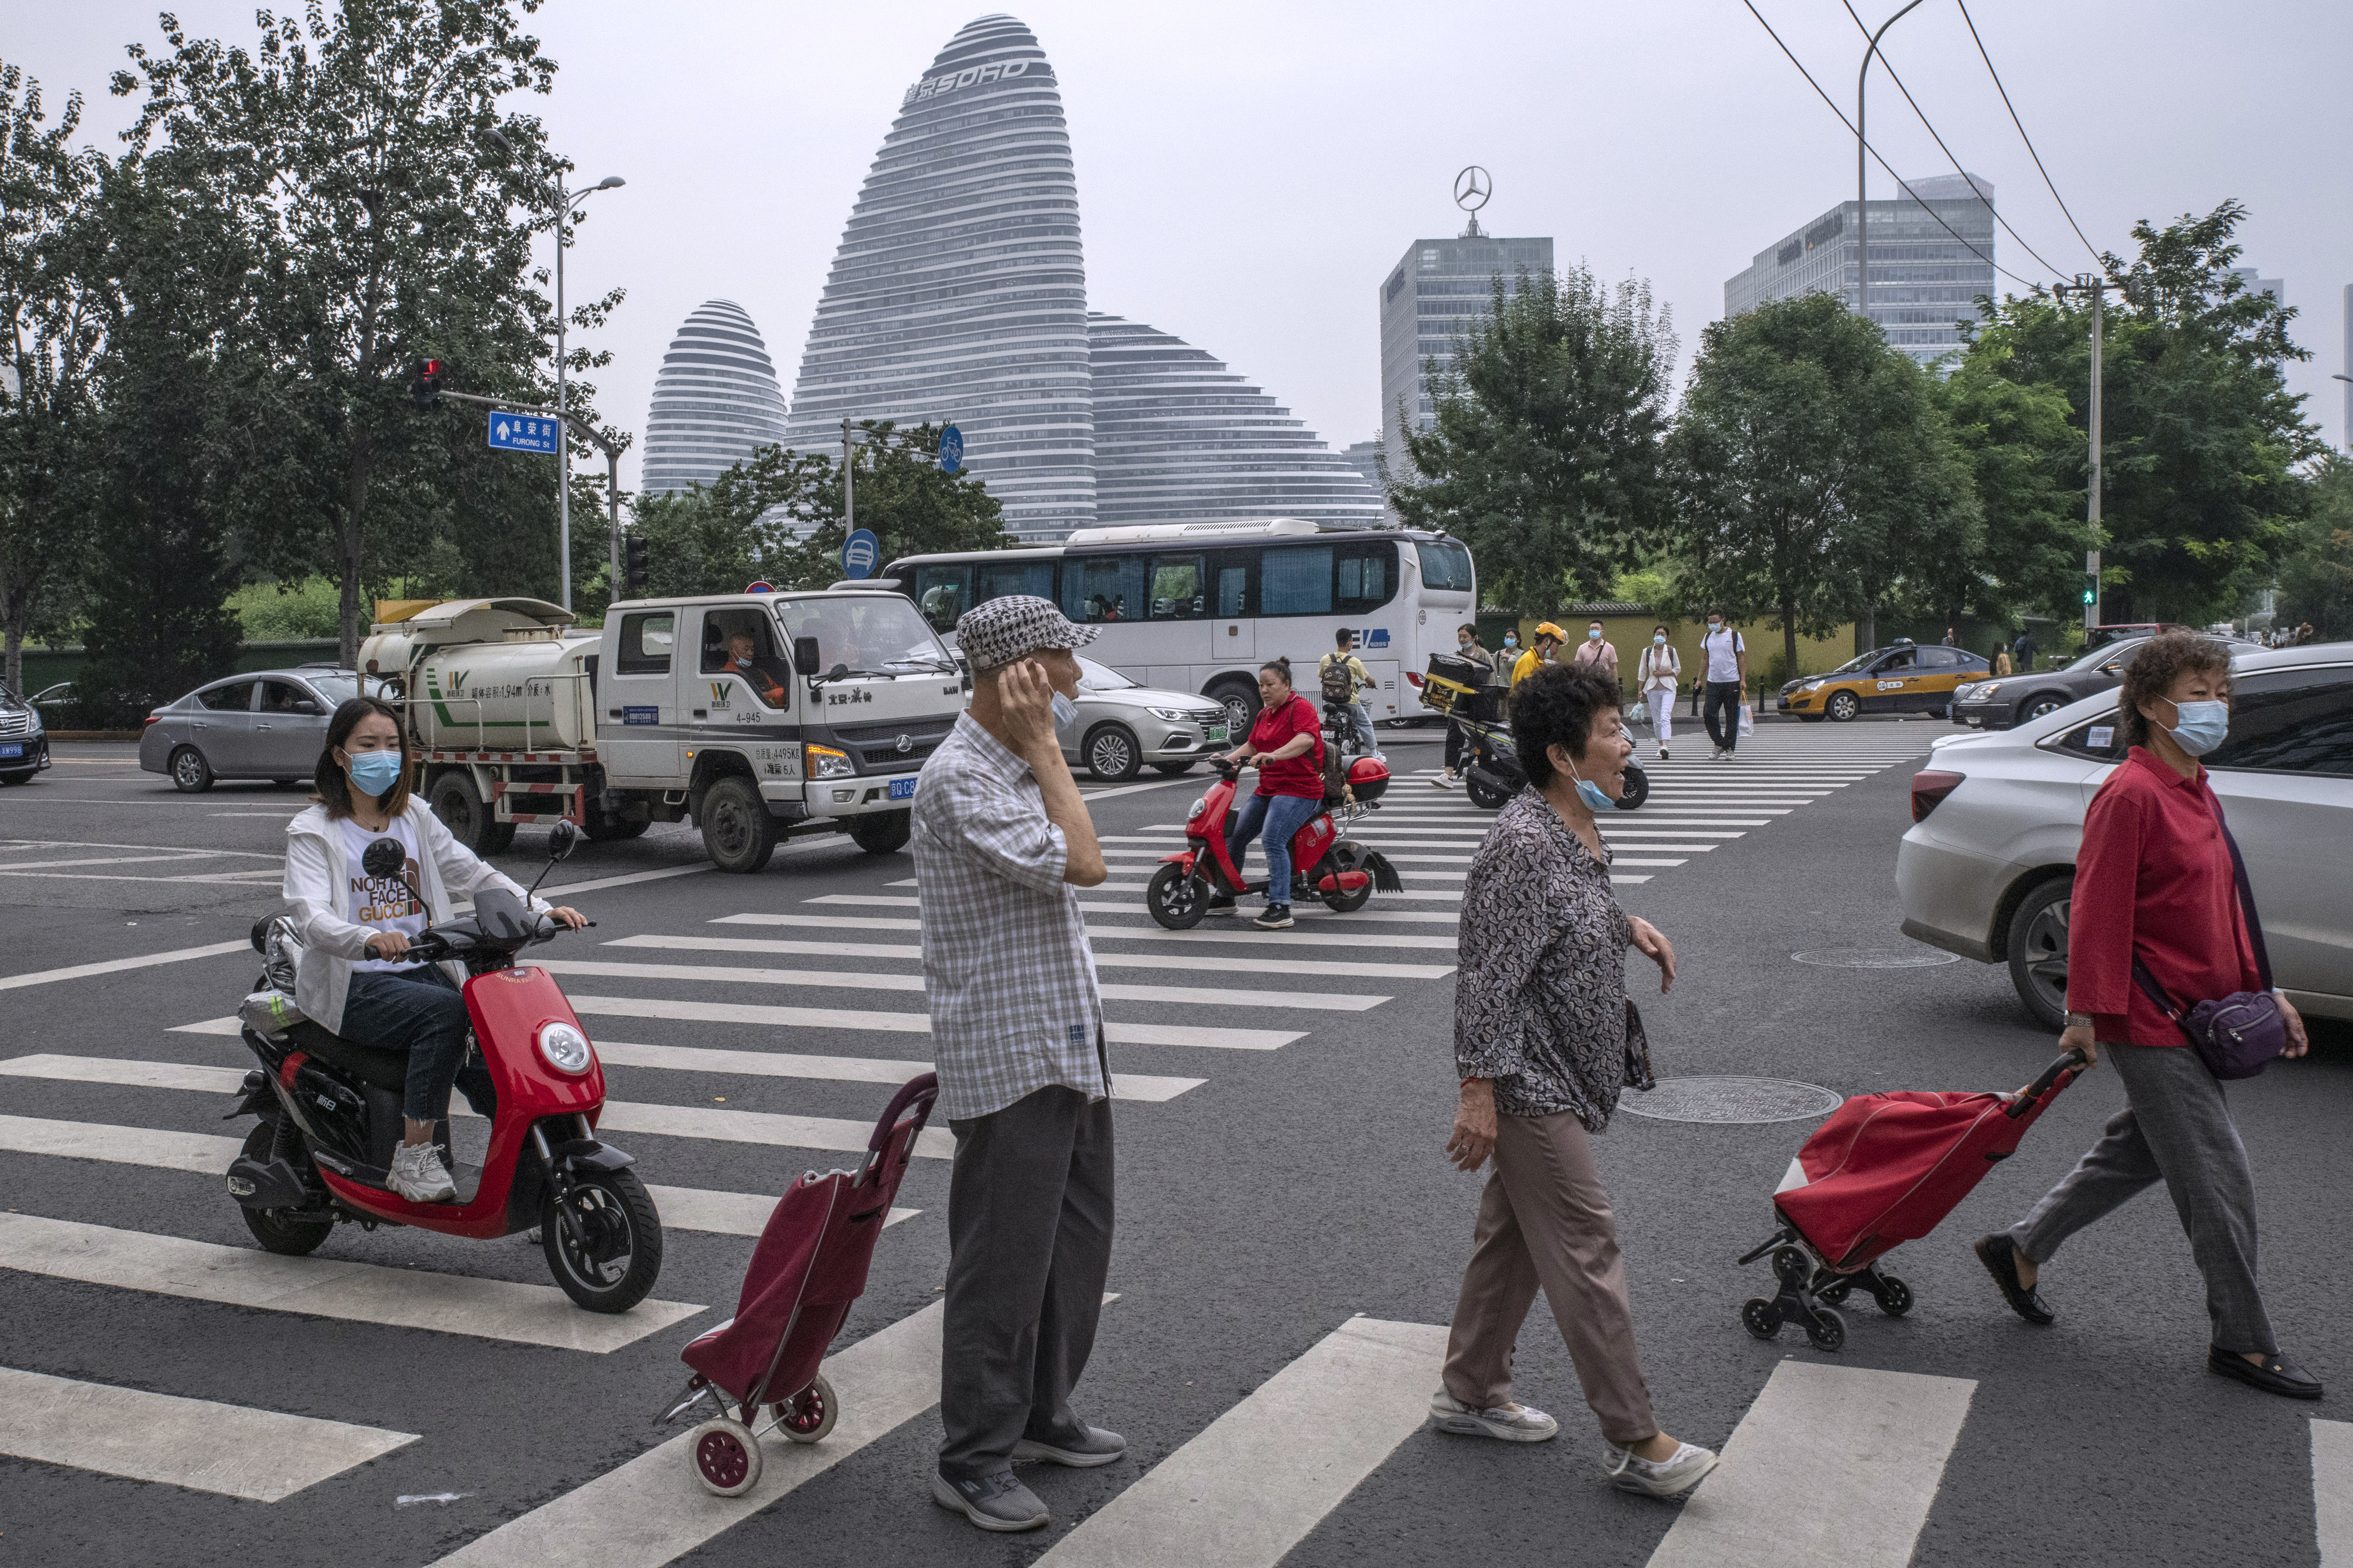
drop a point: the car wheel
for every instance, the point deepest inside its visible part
(462, 810)
(883, 832)
(1842, 707)
(1239, 699)
(2040, 704)
(1173, 769)
(15, 778)
(2038, 951)
(738, 834)
(1111, 753)
(191, 774)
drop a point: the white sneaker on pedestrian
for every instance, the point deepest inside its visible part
(1670, 1477)
(1442, 780)
(1512, 1423)
(1663, 754)
(419, 1176)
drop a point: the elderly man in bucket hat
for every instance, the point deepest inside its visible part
(1002, 844)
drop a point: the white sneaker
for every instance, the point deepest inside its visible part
(1442, 780)
(1663, 754)
(1670, 1477)
(419, 1176)
(1512, 1423)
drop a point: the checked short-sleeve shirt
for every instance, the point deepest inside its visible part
(1008, 971)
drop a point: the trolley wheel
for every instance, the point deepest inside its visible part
(1894, 1296)
(1833, 1294)
(1760, 1318)
(1827, 1331)
(726, 1457)
(1175, 900)
(809, 1415)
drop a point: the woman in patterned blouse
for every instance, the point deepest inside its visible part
(1545, 1037)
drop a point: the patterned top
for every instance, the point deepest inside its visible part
(1540, 1000)
(1007, 972)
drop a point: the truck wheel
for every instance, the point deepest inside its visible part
(738, 834)
(603, 829)
(884, 832)
(462, 810)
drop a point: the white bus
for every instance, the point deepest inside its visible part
(1199, 606)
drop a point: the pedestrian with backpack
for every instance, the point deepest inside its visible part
(1725, 657)
(1343, 679)
(1658, 676)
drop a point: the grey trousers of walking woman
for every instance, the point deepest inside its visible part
(2175, 1127)
(1544, 1219)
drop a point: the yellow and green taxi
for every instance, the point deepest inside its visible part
(1903, 677)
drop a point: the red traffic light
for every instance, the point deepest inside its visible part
(427, 384)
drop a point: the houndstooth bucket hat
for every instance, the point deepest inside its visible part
(995, 633)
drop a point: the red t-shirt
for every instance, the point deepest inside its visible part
(1302, 775)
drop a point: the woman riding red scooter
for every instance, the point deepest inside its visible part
(1286, 746)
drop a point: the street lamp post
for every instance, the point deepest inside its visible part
(1868, 628)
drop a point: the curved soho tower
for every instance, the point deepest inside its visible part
(1180, 438)
(716, 400)
(959, 292)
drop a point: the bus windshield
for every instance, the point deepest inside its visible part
(1445, 565)
(871, 634)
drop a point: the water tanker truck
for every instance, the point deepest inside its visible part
(757, 717)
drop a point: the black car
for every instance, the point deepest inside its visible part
(2010, 700)
(24, 744)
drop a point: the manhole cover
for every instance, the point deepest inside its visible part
(1877, 957)
(1730, 1100)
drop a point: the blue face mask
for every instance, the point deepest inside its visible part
(1064, 711)
(1590, 793)
(1593, 636)
(374, 772)
(1658, 639)
(1511, 641)
(2203, 727)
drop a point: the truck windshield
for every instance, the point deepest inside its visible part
(872, 634)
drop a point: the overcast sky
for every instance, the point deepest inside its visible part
(1250, 172)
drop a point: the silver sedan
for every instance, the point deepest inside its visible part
(1122, 726)
(272, 724)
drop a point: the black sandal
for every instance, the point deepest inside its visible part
(2000, 1256)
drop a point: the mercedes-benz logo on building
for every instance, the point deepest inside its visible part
(906, 745)
(1471, 188)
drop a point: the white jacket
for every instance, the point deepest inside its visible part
(318, 885)
(1660, 668)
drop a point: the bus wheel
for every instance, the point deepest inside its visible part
(1240, 699)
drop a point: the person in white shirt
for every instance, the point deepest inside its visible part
(1658, 676)
(1725, 657)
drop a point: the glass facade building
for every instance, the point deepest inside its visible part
(1923, 279)
(1181, 439)
(1438, 291)
(959, 292)
(716, 402)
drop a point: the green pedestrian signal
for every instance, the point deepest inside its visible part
(2091, 588)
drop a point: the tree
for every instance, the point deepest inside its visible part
(1812, 471)
(2315, 580)
(903, 499)
(2015, 440)
(1546, 456)
(351, 153)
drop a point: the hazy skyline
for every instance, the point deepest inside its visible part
(1247, 174)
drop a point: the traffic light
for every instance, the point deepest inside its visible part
(633, 566)
(426, 387)
(2091, 587)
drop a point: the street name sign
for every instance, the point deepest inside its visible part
(521, 432)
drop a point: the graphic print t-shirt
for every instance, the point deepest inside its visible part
(383, 903)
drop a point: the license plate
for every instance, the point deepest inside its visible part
(902, 789)
(12, 750)
(1214, 734)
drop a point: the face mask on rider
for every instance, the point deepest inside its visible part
(372, 773)
(2202, 726)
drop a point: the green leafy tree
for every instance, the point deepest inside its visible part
(2029, 558)
(1546, 453)
(2315, 578)
(905, 499)
(1813, 473)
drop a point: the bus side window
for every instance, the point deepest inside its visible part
(1295, 580)
(943, 594)
(1367, 577)
(996, 579)
(1176, 588)
(1233, 598)
(1102, 588)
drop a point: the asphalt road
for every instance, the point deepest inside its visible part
(1262, 1211)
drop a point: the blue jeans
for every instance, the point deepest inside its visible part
(418, 1011)
(1281, 815)
(1360, 725)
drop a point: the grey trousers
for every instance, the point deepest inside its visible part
(1030, 1216)
(2175, 1126)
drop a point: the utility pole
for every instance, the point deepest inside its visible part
(1868, 626)
(2096, 288)
(852, 437)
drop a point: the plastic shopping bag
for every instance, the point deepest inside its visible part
(1748, 720)
(1639, 713)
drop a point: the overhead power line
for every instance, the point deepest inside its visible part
(1948, 152)
(1948, 228)
(2023, 136)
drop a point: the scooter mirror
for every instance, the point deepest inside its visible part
(385, 857)
(562, 839)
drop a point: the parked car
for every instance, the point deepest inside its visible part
(2012, 699)
(268, 725)
(1903, 677)
(24, 739)
(1120, 726)
(2101, 637)
(1988, 868)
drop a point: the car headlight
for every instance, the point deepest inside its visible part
(1978, 690)
(825, 763)
(564, 1047)
(1809, 685)
(1176, 715)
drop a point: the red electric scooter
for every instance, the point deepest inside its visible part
(1340, 872)
(330, 1113)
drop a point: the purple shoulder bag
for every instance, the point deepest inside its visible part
(2238, 1036)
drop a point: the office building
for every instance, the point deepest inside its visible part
(2256, 283)
(1930, 261)
(1180, 438)
(1437, 292)
(959, 290)
(716, 402)
(1365, 456)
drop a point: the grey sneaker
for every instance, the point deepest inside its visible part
(1089, 1446)
(1274, 916)
(1220, 904)
(1512, 1423)
(996, 1502)
(419, 1176)
(1670, 1477)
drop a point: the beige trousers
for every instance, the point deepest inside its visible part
(1544, 1220)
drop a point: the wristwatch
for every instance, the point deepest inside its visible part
(2075, 1018)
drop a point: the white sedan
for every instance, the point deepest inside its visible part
(1989, 867)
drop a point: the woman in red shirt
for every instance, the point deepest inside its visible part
(2153, 883)
(1286, 746)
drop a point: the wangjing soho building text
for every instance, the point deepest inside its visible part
(716, 400)
(1180, 438)
(959, 290)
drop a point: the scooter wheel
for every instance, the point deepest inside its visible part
(1176, 899)
(608, 1259)
(726, 1457)
(809, 1415)
(1636, 789)
(1484, 798)
(1759, 1318)
(1894, 1296)
(1827, 1331)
